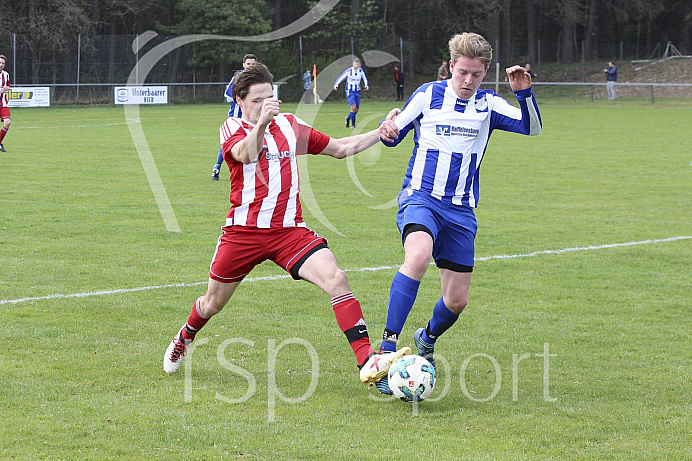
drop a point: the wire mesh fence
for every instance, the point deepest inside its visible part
(86, 70)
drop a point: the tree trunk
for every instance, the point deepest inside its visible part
(493, 34)
(278, 23)
(590, 31)
(355, 7)
(686, 43)
(567, 44)
(173, 63)
(69, 61)
(224, 74)
(532, 47)
(54, 74)
(37, 54)
(411, 47)
(112, 48)
(649, 36)
(507, 32)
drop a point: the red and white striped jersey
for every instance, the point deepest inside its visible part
(4, 80)
(265, 194)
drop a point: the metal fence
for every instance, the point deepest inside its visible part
(211, 92)
(86, 70)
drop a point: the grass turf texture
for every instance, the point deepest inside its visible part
(81, 377)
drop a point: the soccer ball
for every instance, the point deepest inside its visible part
(411, 377)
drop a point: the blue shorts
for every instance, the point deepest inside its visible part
(453, 227)
(353, 98)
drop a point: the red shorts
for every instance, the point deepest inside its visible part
(4, 112)
(241, 248)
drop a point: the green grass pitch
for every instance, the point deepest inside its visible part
(576, 343)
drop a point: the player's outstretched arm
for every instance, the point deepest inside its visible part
(351, 145)
(345, 147)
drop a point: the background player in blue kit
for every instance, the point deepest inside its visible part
(234, 111)
(353, 76)
(452, 121)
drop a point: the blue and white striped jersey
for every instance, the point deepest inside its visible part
(352, 77)
(234, 110)
(451, 136)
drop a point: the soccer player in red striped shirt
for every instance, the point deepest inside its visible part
(265, 220)
(4, 101)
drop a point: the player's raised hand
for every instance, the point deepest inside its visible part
(519, 79)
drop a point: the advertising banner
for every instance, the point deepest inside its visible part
(141, 95)
(35, 96)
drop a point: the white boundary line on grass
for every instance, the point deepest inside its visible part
(363, 269)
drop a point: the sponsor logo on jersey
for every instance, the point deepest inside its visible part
(277, 156)
(443, 130)
(450, 130)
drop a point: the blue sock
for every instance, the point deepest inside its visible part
(441, 320)
(219, 158)
(353, 118)
(402, 295)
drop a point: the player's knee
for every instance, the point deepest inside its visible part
(456, 303)
(211, 305)
(7, 123)
(415, 268)
(339, 281)
(417, 261)
(334, 282)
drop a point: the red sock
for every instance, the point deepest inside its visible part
(3, 132)
(349, 316)
(195, 322)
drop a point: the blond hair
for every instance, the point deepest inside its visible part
(472, 46)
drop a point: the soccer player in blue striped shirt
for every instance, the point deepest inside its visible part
(451, 121)
(234, 111)
(353, 76)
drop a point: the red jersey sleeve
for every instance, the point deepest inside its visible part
(313, 141)
(318, 141)
(231, 132)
